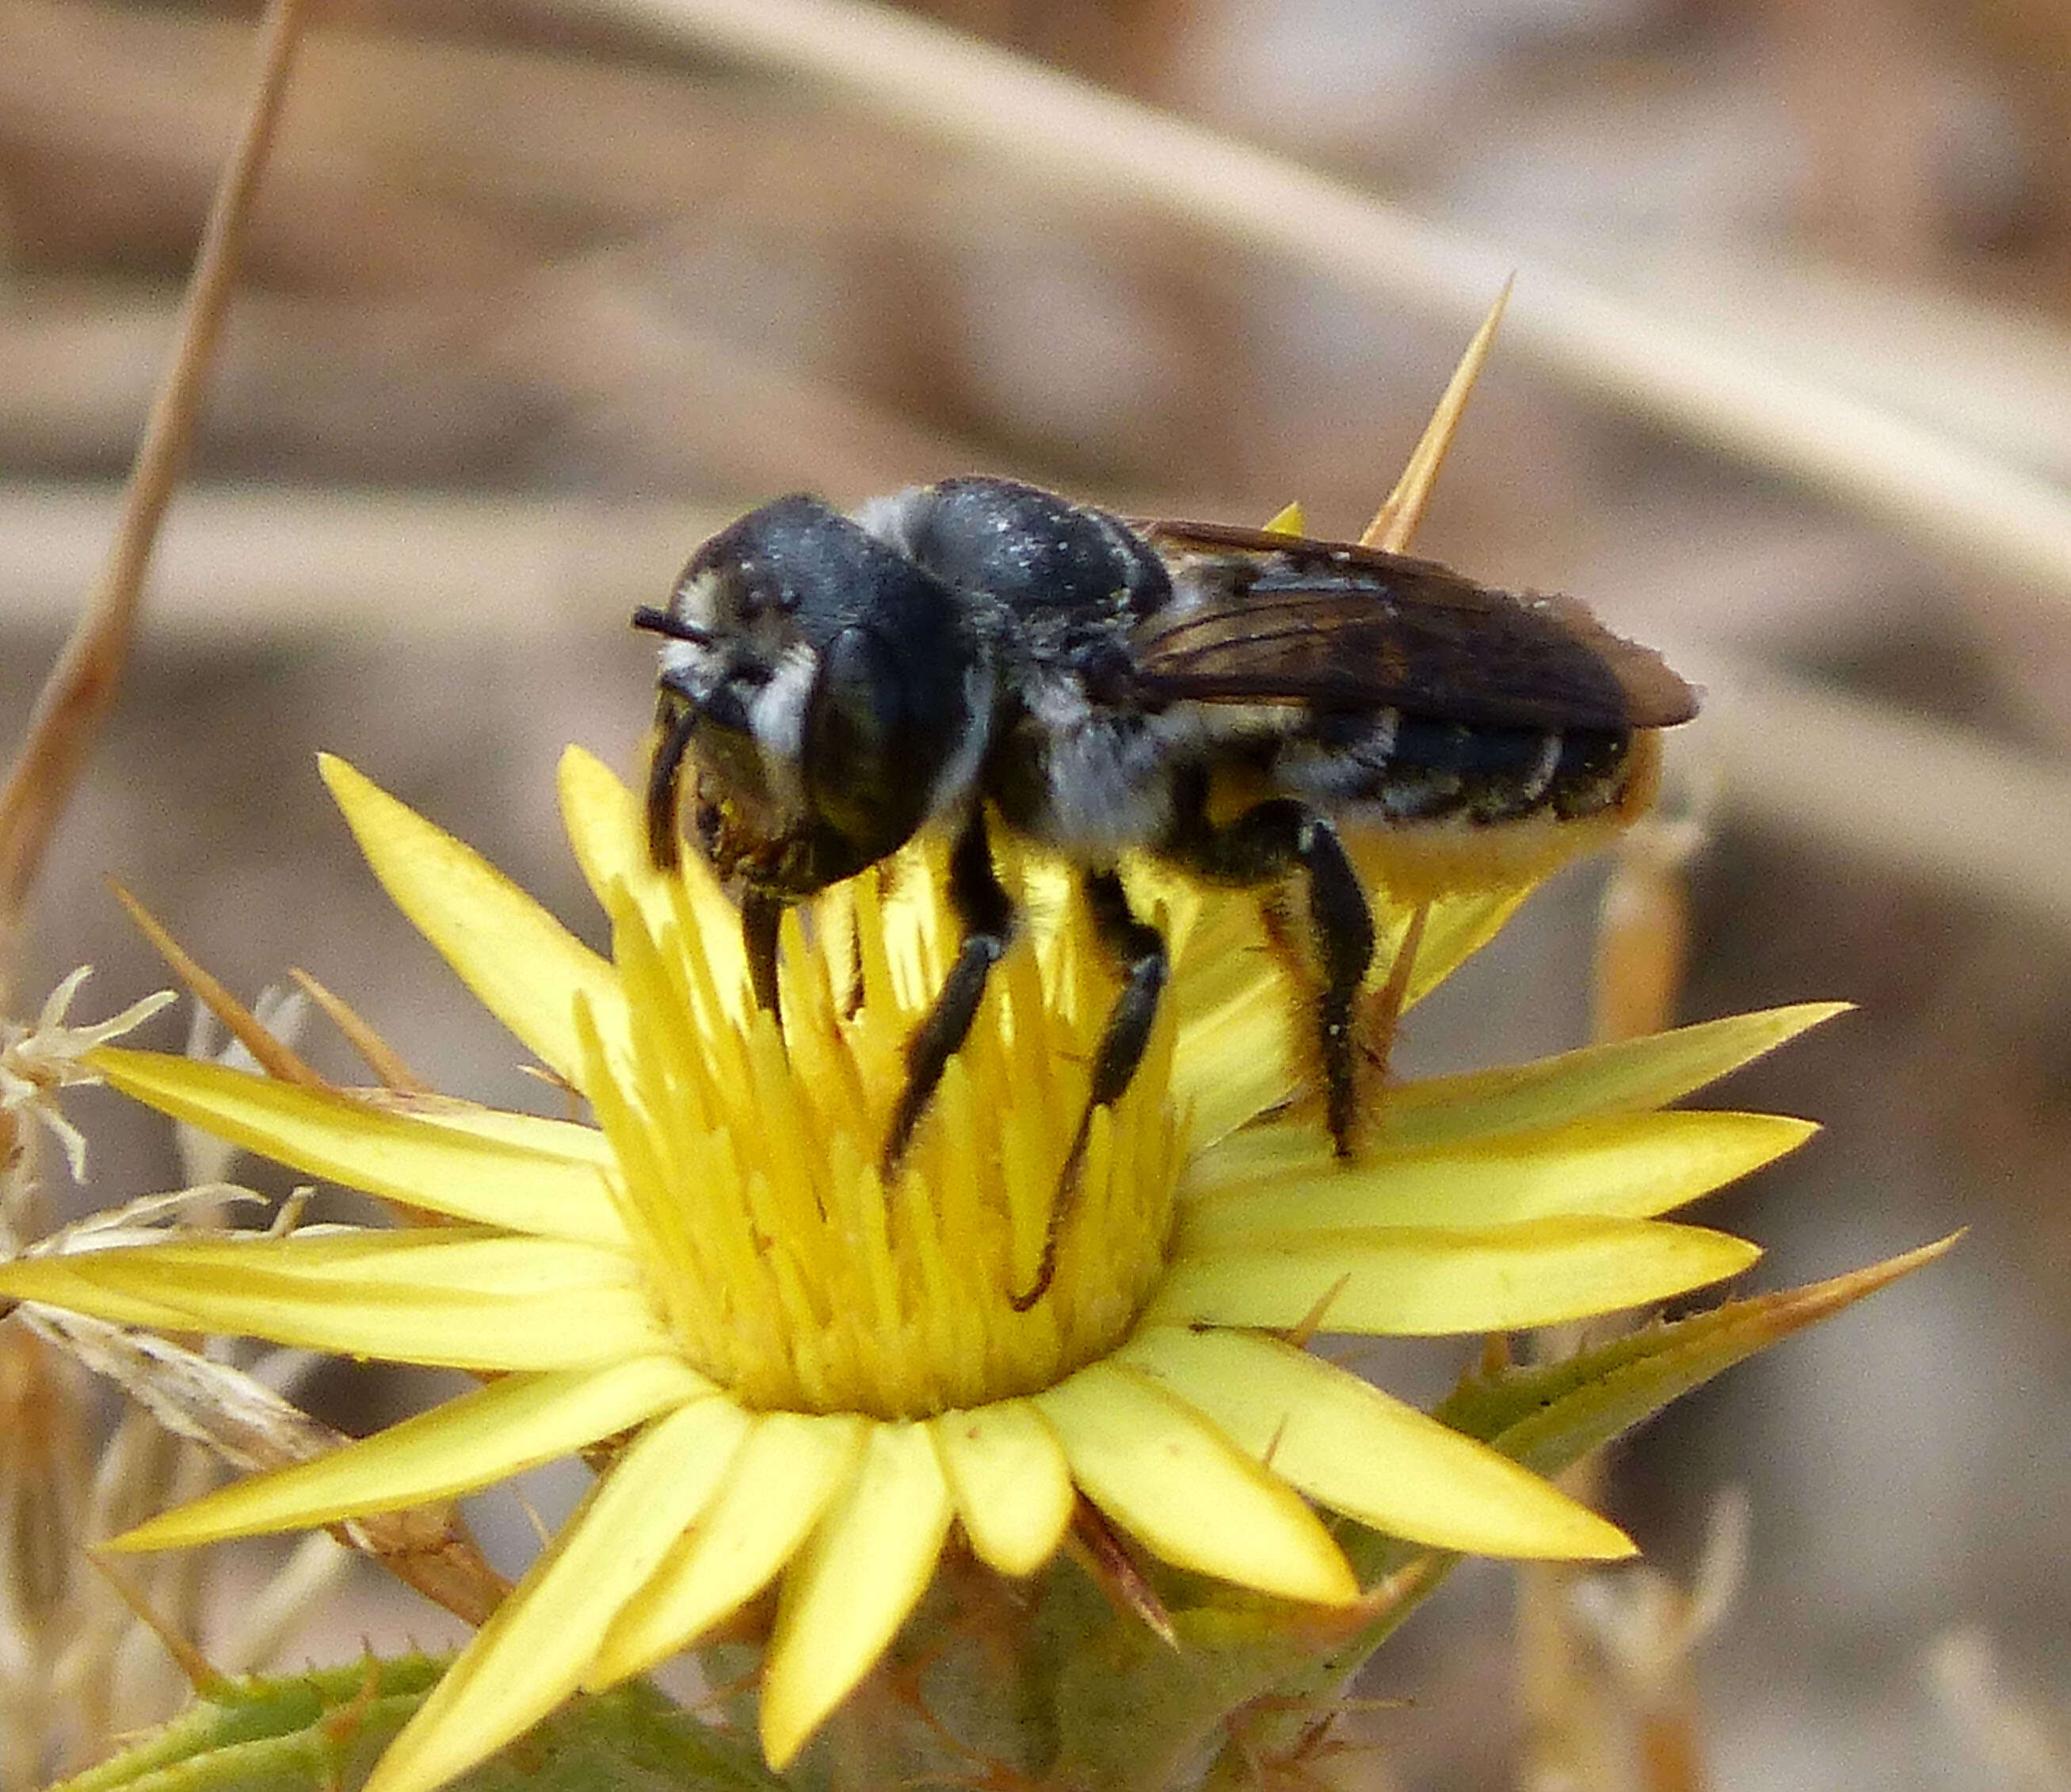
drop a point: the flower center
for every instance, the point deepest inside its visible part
(790, 1267)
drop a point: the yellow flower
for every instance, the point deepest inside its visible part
(800, 1372)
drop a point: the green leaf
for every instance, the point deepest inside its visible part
(1549, 1417)
(319, 1731)
(1132, 1710)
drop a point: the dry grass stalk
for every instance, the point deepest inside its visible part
(82, 686)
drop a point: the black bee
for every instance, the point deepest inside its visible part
(1234, 703)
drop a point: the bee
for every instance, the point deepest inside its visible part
(1238, 705)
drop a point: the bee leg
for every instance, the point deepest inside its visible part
(761, 915)
(1343, 925)
(1139, 948)
(987, 913)
(1269, 841)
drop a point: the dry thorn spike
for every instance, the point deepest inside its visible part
(1304, 1330)
(542, 1533)
(1272, 1443)
(1098, 1549)
(191, 1662)
(1385, 1008)
(380, 1056)
(1395, 523)
(343, 1723)
(276, 1059)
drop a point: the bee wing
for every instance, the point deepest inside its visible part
(1256, 617)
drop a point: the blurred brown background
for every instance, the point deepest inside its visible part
(538, 292)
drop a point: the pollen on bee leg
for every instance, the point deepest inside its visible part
(1301, 980)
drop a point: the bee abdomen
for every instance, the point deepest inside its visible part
(1405, 769)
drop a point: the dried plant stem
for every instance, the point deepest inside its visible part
(1966, 502)
(81, 687)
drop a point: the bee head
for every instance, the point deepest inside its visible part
(818, 685)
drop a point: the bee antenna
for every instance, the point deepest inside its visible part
(668, 622)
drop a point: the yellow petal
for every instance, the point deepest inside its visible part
(524, 966)
(605, 827)
(1232, 1063)
(788, 1468)
(608, 830)
(436, 1165)
(514, 1423)
(1629, 1167)
(1234, 1060)
(55, 1281)
(448, 1297)
(1290, 519)
(846, 1596)
(1234, 1056)
(1170, 1478)
(1427, 1281)
(539, 1643)
(1012, 1486)
(1627, 1077)
(565, 1139)
(1267, 1152)
(1457, 925)
(1347, 1444)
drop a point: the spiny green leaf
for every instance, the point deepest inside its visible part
(1133, 1711)
(320, 1731)
(1549, 1417)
